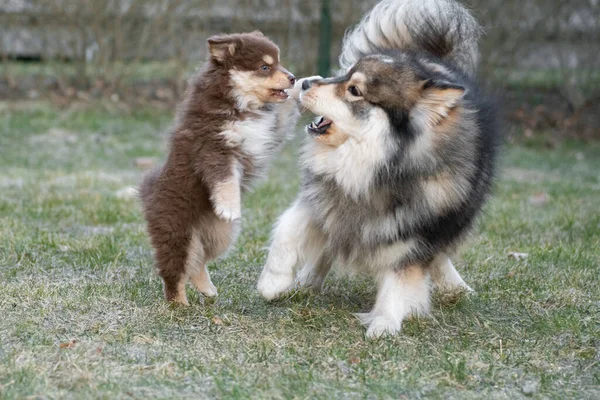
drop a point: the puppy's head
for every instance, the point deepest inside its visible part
(252, 61)
(400, 97)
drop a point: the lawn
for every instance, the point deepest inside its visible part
(82, 314)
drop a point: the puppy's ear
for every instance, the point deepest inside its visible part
(222, 47)
(438, 98)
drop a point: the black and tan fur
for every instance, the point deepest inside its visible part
(399, 165)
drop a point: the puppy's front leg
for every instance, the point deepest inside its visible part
(226, 195)
(289, 238)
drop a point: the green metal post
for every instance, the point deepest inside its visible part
(325, 33)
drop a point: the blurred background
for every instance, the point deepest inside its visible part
(544, 55)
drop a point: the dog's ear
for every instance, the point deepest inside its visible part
(438, 98)
(222, 47)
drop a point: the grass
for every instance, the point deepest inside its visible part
(83, 315)
(136, 72)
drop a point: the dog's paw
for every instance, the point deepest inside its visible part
(208, 289)
(294, 92)
(229, 212)
(272, 285)
(382, 326)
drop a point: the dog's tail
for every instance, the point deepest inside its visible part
(443, 28)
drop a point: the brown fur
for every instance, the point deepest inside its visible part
(206, 167)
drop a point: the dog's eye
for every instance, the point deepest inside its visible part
(265, 68)
(354, 91)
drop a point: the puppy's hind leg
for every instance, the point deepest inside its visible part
(288, 245)
(445, 276)
(170, 262)
(201, 281)
(196, 267)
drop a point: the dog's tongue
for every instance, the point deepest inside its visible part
(324, 122)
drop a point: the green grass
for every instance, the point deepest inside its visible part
(129, 72)
(82, 314)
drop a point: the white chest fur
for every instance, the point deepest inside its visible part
(257, 136)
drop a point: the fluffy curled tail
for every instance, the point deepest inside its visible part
(443, 28)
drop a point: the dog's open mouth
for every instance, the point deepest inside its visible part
(320, 127)
(279, 94)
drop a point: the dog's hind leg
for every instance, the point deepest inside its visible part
(196, 267)
(171, 251)
(201, 280)
(445, 276)
(291, 240)
(170, 265)
(313, 274)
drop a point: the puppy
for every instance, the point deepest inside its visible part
(399, 166)
(235, 117)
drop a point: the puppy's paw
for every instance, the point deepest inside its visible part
(294, 92)
(208, 289)
(383, 325)
(272, 285)
(228, 212)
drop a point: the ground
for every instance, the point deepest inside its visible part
(83, 314)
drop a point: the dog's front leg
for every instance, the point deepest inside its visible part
(400, 294)
(226, 195)
(290, 237)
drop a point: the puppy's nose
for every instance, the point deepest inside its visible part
(292, 79)
(306, 84)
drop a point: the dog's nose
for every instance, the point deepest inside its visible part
(306, 84)
(292, 79)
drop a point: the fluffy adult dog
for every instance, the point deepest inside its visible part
(234, 119)
(398, 167)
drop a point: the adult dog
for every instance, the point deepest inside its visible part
(398, 166)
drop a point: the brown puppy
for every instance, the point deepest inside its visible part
(234, 119)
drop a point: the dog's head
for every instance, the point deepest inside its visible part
(252, 61)
(404, 110)
(401, 95)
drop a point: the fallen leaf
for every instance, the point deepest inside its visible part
(529, 388)
(354, 360)
(143, 339)
(539, 199)
(518, 256)
(68, 345)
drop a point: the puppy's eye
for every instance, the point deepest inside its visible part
(265, 68)
(354, 91)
